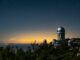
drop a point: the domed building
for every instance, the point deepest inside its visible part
(61, 37)
(61, 33)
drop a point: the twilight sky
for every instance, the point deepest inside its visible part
(23, 21)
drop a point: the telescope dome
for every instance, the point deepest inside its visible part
(61, 29)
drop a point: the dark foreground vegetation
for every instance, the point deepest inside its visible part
(40, 52)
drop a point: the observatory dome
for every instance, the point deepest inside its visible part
(60, 29)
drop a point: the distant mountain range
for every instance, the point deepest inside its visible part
(17, 46)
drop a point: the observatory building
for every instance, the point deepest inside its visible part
(61, 33)
(74, 42)
(61, 37)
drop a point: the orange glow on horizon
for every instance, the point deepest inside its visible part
(31, 37)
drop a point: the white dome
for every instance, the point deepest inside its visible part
(60, 29)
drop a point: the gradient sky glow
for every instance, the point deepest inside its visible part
(23, 21)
